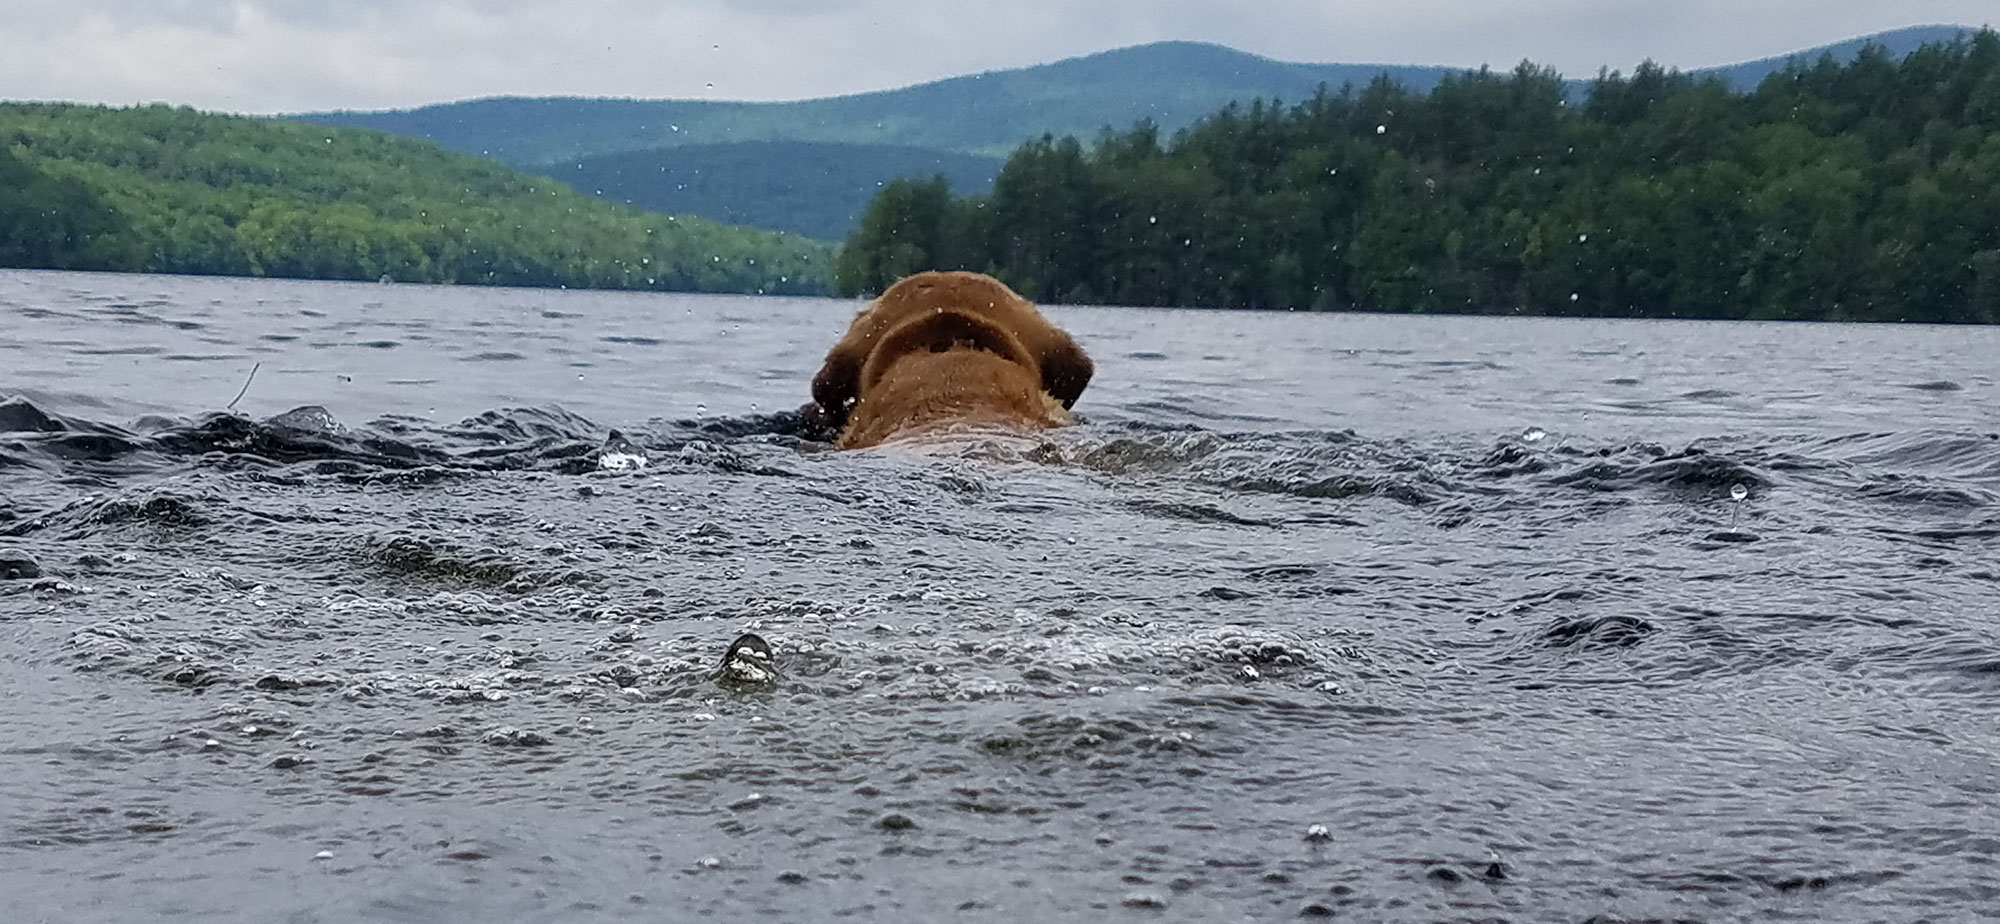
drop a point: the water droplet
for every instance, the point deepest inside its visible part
(1572, 296)
(1381, 129)
(1737, 492)
(1582, 238)
(1152, 219)
(1534, 435)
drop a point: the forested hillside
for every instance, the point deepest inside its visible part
(159, 189)
(1867, 190)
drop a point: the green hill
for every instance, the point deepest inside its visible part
(813, 189)
(170, 190)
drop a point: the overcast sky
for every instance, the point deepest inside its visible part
(263, 56)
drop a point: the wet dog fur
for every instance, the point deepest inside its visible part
(940, 349)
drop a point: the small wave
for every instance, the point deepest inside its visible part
(1304, 464)
(1927, 492)
(1646, 464)
(19, 416)
(1196, 513)
(1613, 631)
(1953, 455)
(120, 351)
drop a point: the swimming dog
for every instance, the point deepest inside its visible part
(941, 349)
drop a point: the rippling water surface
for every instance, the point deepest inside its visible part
(1391, 619)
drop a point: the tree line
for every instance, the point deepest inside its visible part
(171, 190)
(1864, 190)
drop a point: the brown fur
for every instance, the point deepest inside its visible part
(944, 348)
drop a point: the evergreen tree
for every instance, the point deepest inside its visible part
(1866, 190)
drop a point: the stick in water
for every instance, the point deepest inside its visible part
(246, 387)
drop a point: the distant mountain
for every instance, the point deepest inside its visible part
(1898, 43)
(1172, 83)
(811, 188)
(795, 165)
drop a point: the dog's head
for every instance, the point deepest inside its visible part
(971, 309)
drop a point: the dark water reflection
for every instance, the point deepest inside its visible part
(1462, 593)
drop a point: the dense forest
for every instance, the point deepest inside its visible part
(1864, 190)
(159, 189)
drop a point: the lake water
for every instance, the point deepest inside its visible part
(1388, 618)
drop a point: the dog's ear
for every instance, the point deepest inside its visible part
(837, 384)
(1066, 369)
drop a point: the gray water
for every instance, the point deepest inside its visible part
(1386, 618)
